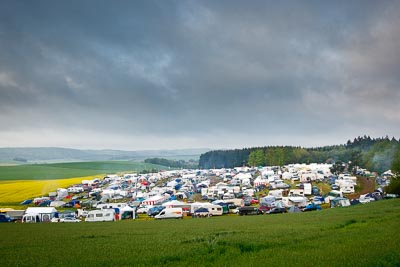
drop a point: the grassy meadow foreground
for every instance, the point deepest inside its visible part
(363, 235)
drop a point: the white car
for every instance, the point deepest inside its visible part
(142, 210)
(69, 219)
(366, 199)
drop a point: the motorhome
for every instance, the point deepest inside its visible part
(100, 216)
(347, 188)
(170, 213)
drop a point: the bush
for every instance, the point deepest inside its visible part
(394, 186)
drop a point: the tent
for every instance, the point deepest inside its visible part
(155, 199)
(127, 212)
(201, 212)
(294, 209)
(340, 202)
(173, 203)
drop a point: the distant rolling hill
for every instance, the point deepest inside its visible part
(57, 154)
(72, 169)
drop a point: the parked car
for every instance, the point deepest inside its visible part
(155, 210)
(315, 191)
(254, 201)
(235, 211)
(366, 198)
(300, 186)
(247, 201)
(334, 187)
(264, 208)
(282, 186)
(142, 210)
(318, 200)
(276, 210)
(249, 211)
(5, 218)
(69, 219)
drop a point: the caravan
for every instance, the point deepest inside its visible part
(101, 216)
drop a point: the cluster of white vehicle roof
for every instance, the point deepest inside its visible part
(176, 188)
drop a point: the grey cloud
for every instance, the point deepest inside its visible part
(260, 72)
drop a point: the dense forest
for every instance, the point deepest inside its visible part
(375, 154)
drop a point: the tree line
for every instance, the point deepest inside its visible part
(375, 154)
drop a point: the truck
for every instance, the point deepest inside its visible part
(100, 216)
(170, 213)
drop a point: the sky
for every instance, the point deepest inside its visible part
(136, 75)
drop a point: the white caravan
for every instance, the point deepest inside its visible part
(100, 216)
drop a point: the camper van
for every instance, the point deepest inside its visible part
(170, 213)
(100, 216)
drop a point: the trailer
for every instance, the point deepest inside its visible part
(101, 216)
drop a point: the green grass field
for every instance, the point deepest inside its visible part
(363, 235)
(69, 170)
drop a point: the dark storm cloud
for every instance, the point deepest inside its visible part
(152, 74)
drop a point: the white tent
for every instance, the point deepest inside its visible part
(155, 199)
(173, 203)
(127, 212)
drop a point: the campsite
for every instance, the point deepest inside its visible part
(361, 235)
(218, 213)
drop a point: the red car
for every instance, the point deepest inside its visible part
(254, 201)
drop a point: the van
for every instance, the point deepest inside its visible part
(101, 216)
(170, 213)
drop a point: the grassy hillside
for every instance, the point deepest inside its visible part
(363, 235)
(69, 170)
(31, 155)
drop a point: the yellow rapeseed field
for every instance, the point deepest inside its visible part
(17, 191)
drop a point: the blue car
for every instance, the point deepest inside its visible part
(5, 218)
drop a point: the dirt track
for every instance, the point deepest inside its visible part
(366, 184)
